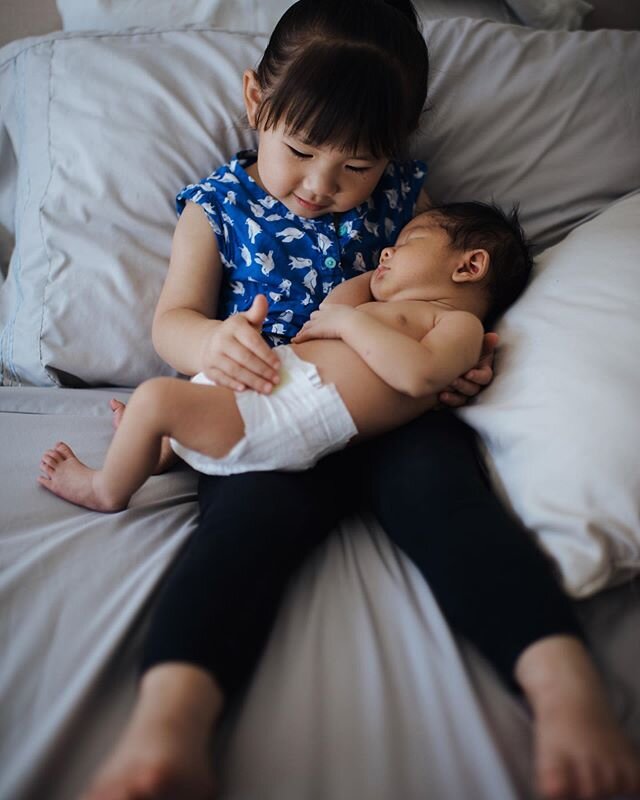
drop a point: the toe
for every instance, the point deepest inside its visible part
(64, 450)
(47, 462)
(587, 781)
(555, 781)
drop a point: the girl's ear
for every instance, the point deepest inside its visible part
(252, 95)
(474, 267)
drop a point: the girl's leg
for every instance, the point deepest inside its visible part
(426, 485)
(214, 616)
(204, 418)
(256, 529)
(495, 586)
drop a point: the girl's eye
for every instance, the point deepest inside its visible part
(297, 153)
(357, 169)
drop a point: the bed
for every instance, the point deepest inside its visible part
(363, 691)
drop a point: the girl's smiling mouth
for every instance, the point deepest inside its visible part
(308, 205)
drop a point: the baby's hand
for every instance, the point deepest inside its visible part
(237, 356)
(326, 323)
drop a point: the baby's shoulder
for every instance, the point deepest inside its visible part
(460, 324)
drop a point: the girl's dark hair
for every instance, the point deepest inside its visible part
(349, 73)
(485, 226)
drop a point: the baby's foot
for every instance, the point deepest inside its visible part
(118, 410)
(66, 476)
(580, 750)
(156, 759)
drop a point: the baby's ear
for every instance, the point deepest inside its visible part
(474, 266)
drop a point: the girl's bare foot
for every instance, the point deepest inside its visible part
(580, 750)
(66, 476)
(164, 752)
(167, 457)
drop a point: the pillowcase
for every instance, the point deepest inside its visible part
(108, 127)
(239, 15)
(8, 178)
(564, 14)
(559, 420)
(547, 119)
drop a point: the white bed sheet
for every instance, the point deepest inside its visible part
(362, 692)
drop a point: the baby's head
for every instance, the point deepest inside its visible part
(470, 255)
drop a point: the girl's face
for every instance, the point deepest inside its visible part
(310, 181)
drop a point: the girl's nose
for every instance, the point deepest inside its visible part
(386, 253)
(321, 182)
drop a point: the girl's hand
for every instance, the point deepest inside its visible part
(325, 323)
(471, 383)
(236, 355)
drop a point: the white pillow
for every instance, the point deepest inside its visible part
(108, 127)
(8, 181)
(560, 420)
(564, 14)
(234, 15)
(549, 119)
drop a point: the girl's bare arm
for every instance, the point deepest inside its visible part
(231, 352)
(183, 318)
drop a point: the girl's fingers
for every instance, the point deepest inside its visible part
(253, 362)
(452, 400)
(220, 379)
(480, 375)
(464, 387)
(235, 376)
(252, 340)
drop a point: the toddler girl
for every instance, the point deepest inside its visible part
(340, 88)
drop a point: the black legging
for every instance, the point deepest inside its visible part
(425, 484)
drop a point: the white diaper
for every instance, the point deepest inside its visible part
(301, 421)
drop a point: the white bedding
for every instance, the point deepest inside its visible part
(363, 692)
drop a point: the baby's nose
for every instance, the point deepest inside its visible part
(386, 253)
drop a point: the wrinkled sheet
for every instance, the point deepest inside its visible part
(362, 691)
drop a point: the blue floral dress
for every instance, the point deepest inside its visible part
(295, 261)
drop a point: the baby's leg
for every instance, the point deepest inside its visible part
(581, 751)
(203, 418)
(167, 457)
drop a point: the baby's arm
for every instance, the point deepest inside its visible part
(415, 368)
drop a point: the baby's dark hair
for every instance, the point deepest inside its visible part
(486, 226)
(351, 74)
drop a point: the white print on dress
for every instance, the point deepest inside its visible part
(246, 254)
(296, 262)
(254, 229)
(266, 262)
(289, 235)
(310, 280)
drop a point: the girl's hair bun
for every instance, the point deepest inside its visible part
(407, 8)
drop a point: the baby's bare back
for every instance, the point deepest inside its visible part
(374, 405)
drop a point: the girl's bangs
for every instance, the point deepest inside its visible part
(331, 98)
